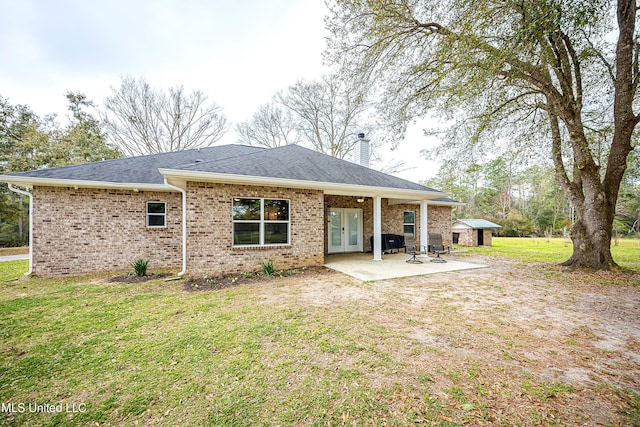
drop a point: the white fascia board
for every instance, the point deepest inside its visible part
(30, 182)
(327, 187)
(434, 203)
(460, 226)
(429, 202)
(403, 202)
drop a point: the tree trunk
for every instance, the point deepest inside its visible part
(593, 204)
(594, 198)
(591, 245)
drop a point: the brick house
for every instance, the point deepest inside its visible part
(473, 232)
(219, 210)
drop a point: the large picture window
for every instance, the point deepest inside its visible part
(156, 214)
(410, 223)
(260, 222)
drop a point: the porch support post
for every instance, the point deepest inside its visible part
(377, 228)
(424, 227)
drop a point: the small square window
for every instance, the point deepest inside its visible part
(156, 214)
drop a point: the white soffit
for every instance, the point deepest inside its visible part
(30, 182)
(328, 187)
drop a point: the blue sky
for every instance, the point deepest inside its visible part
(237, 52)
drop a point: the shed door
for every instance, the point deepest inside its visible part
(481, 237)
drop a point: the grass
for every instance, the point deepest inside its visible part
(13, 269)
(555, 250)
(152, 353)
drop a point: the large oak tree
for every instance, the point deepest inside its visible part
(561, 71)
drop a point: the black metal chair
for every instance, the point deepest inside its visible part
(437, 247)
(411, 248)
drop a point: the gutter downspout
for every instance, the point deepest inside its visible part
(30, 196)
(184, 225)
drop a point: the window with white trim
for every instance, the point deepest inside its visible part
(156, 214)
(409, 224)
(260, 222)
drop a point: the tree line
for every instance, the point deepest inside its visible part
(137, 118)
(28, 141)
(554, 82)
(524, 198)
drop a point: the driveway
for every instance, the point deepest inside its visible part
(13, 257)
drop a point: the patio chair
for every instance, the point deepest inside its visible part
(437, 247)
(411, 248)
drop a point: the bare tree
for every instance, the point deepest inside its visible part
(326, 115)
(270, 126)
(330, 113)
(142, 120)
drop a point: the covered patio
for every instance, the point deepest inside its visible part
(362, 266)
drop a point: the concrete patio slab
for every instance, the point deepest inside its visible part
(363, 267)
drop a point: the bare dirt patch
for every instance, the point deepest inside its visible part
(196, 284)
(132, 278)
(529, 343)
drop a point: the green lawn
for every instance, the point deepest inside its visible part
(13, 269)
(556, 250)
(316, 349)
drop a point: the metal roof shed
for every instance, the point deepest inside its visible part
(473, 232)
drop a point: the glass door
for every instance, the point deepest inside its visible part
(345, 230)
(336, 230)
(353, 230)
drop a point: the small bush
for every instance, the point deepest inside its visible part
(140, 266)
(268, 269)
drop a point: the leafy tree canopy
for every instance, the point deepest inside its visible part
(561, 74)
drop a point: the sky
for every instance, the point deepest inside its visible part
(237, 52)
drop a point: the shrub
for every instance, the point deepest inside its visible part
(140, 266)
(268, 269)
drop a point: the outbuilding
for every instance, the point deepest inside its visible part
(473, 232)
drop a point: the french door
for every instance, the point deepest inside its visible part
(345, 230)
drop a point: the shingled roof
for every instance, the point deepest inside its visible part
(294, 162)
(138, 169)
(291, 162)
